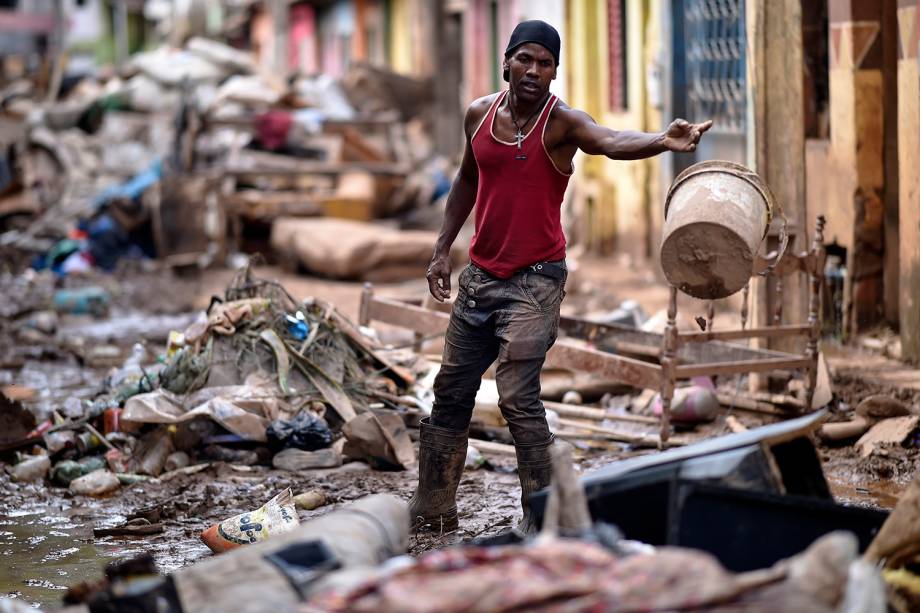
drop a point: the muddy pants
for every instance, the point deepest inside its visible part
(514, 320)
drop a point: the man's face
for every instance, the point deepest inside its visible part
(531, 68)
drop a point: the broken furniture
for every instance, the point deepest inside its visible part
(621, 353)
(750, 498)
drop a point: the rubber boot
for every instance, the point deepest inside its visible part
(441, 458)
(535, 469)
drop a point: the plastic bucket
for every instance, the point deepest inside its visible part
(716, 215)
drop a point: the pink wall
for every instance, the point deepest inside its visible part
(302, 38)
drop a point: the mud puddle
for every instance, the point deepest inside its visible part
(47, 541)
(47, 548)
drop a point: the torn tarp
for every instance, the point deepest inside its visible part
(246, 410)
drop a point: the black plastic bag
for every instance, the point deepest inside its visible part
(306, 431)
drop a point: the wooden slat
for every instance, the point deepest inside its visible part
(621, 338)
(411, 317)
(730, 368)
(568, 354)
(763, 332)
(744, 403)
(492, 447)
(570, 410)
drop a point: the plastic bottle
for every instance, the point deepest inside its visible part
(131, 371)
(30, 469)
(81, 301)
(95, 483)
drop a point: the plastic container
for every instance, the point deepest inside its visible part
(82, 301)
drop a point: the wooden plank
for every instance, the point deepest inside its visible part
(734, 425)
(491, 447)
(579, 412)
(411, 317)
(731, 368)
(357, 338)
(648, 440)
(610, 433)
(888, 431)
(571, 410)
(744, 403)
(763, 332)
(569, 354)
(622, 338)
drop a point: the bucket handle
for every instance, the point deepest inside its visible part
(783, 240)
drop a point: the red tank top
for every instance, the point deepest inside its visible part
(518, 201)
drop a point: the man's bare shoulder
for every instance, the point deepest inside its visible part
(565, 114)
(478, 109)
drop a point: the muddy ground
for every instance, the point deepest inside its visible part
(46, 533)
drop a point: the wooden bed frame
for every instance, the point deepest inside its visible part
(680, 355)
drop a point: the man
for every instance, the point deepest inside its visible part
(515, 168)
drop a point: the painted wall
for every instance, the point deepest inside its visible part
(302, 38)
(853, 202)
(617, 204)
(336, 29)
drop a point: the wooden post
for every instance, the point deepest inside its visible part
(745, 299)
(448, 130)
(909, 181)
(359, 40)
(777, 147)
(367, 294)
(814, 304)
(567, 507)
(668, 362)
(56, 50)
(279, 13)
(120, 22)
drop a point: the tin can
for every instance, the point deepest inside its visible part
(111, 420)
(87, 441)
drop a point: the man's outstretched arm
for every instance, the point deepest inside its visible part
(460, 202)
(594, 139)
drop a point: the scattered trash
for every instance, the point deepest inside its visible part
(96, 483)
(31, 469)
(894, 430)
(296, 460)
(868, 412)
(88, 300)
(176, 460)
(695, 404)
(380, 439)
(134, 527)
(305, 431)
(276, 516)
(310, 500)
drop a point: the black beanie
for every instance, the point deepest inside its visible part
(535, 31)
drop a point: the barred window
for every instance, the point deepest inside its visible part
(715, 36)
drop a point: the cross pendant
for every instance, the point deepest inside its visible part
(519, 137)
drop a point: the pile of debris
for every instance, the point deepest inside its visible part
(261, 378)
(354, 560)
(192, 153)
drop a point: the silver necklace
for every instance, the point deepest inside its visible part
(519, 135)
